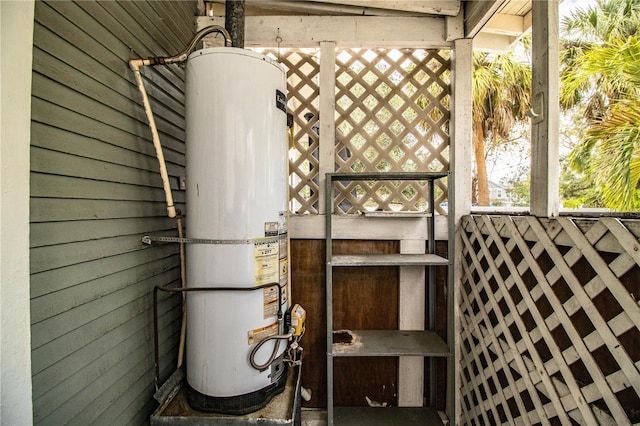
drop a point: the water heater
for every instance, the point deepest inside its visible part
(237, 201)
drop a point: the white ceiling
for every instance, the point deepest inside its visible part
(494, 24)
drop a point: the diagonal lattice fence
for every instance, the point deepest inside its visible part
(550, 323)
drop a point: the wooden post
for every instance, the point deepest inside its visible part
(412, 294)
(460, 166)
(461, 134)
(545, 110)
(326, 159)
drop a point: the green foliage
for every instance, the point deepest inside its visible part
(577, 190)
(606, 20)
(520, 192)
(610, 151)
(601, 71)
(501, 94)
(614, 162)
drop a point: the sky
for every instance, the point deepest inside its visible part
(568, 5)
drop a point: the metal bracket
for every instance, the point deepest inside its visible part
(147, 239)
(537, 116)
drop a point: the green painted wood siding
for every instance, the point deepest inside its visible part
(95, 191)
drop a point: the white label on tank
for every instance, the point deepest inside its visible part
(284, 272)
(266, 262)
(270, 229)
(283, 226)
(284, 260)
(284, 246)
(259, 334)
(270, 302)
(284, 294)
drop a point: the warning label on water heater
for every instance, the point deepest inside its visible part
(259, 334)
(266, 262)
(270, 295)
(271, 264)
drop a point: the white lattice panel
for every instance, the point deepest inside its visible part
(392, 115)
(303, 69)
(550, 322)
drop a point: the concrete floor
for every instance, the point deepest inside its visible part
(314, 417)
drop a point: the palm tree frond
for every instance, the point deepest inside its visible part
(614, 149)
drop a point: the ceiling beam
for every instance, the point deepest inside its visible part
(477, 14)
(500, 23)
(431, 7)
(346, 31)
(493, 43)
(528, 21)
(351, 7)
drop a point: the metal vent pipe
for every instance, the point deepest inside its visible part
(234, 21)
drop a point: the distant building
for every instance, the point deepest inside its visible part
(499, 195)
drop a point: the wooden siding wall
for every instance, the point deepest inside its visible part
(95, 191)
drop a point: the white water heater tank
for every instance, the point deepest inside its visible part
(237, 195)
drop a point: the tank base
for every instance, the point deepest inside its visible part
(238, 405)
(173, 410)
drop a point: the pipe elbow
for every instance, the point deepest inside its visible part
(135, 64)
(171, 211)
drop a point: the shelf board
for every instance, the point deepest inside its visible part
(395, 259)
(396, 215)
(387, 176)
(388, 343)
(386, 416)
